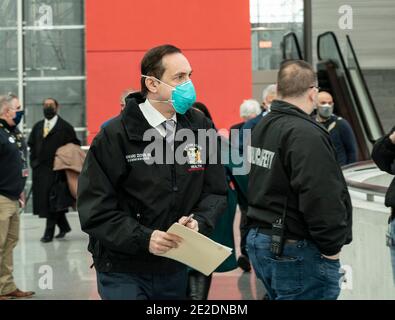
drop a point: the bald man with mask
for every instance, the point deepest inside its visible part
(340, 131)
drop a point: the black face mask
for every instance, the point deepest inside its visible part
(49, 112)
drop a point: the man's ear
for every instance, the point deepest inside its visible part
(312, 96)
(151, 85)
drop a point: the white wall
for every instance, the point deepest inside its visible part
(373, 32)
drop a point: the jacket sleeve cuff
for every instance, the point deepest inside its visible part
(145, 237)
(330, 251)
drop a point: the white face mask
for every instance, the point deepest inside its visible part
(325, 110)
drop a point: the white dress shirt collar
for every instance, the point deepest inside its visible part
(51, 122)
(154, 117)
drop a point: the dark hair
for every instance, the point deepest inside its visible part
(202, 107)
(54, 100)
(295, 78)
(152, 65)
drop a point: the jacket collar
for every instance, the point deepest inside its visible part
(136, 124)
(6, 125)
(328, 121)
(279, 107)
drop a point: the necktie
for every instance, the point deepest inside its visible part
(46, 129)
(170, 126)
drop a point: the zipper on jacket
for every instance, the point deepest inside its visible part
(173, 178)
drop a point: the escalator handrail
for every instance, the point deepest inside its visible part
(349, 81)
(292, 34)
(363, 186)
(365, 84)
(331, 33)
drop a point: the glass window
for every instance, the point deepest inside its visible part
(54, 53)
(8, 52)
(8, 13)
(270, 21)
(54, 12)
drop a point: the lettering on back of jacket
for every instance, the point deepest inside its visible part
(261, 157)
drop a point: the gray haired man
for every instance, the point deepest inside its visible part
(13, 174)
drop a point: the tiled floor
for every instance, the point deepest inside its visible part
(60, 269)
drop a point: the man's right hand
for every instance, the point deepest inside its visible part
(334, 257)
(161, 242)
(392, 137)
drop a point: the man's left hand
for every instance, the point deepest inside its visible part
(22, 200)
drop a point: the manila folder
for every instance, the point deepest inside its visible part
(196, 250)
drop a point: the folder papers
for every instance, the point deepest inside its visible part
(196, 250)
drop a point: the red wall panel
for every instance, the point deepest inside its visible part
(213, 34)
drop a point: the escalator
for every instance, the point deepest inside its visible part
(290, 47)
(344, 80)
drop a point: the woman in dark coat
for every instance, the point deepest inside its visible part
(46, 137)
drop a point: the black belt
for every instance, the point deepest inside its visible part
(269, 232)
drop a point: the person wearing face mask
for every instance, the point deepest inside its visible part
(300, 212)
(340, 131)
(13, 175)
(46, 137)
(268, 96)
(129, 195)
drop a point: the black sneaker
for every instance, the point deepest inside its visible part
(244, 263)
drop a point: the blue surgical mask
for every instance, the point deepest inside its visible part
(182, 97)
(18, 117)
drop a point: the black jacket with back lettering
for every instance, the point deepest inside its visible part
(122, 199)
(294, 167)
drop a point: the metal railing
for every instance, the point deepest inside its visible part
(369, 189)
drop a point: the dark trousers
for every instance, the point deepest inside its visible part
(198, 285)
(149, 286)
(243, 229)
(58, 219)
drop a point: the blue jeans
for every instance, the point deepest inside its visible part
(302, 273)
(392, 248)
(133, 286)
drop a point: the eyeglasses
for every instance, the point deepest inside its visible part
(317, 87)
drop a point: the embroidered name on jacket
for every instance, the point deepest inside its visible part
(261, 157)
(138, 157)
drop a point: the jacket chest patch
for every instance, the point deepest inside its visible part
(137, 157)
(194, 154)
(194, 157)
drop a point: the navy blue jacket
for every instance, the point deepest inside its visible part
(343, 139)
(12, 161)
